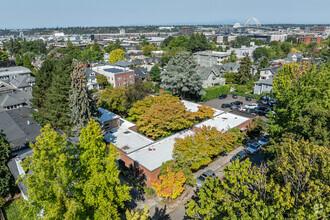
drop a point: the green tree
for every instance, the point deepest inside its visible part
(256, 127)
(292, 40)
(155, 73)
(102, 80)
(180, 41)
(230, 77)
(140, 214)
(116, 55)
(27, 62)
(181, 77)
(232, 57)
(57, 96)
(5, 175)
(303, 104)
(82, 105)
(43, 81)
(244, 193)
(3, 55)
(170, 53)
(305, 167)
(188, 174)
(114, 46)
(90, 56)
(244, 72)
(146, 49)
(286, 48)
(261, 52)
(241, 41)
(198, 42)
(96, 46)
(99, 187)
(74, 181)
(166, 42)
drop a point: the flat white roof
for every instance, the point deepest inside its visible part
(125, 139)
(151, 157)
(106, 115)
(193, 107)
(224, 121)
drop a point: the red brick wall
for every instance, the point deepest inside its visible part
(138, 170)
(124, 78)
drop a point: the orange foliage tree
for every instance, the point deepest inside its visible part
(197, 150)
(204, 112)
(169, 185)
(164, 120)
(140, 107)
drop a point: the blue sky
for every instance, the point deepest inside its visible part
(67, 13)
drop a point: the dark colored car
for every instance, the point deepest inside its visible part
(260, 113)
(234, 96)
(263, 108)
(232, 103)
(202, 178)
(248, 98)
(234, 107)
(242, 155)
(225, 105)
(238, 103)
(222, 96)
(252, 111)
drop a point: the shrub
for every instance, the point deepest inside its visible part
(241, 89)
(149, 191)
(215, 92)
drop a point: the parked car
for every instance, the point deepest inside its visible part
(263, 108)
(242, 155)
(222, 96)
(235, 96)
(234, 107)
(225, 105)
(202, 178)
(263, 141)
(260, 113)
(232, 103)
(251, 106)
(253, 148)
(242, 109)
(251, 111)
(248, 98)
(238, 103)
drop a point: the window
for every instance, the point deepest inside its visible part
(131, 167)
(131, 76)
(144, 177)
(118, 78)
(119, 84)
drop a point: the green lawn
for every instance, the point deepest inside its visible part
(12, 211)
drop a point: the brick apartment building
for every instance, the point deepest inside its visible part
(142, 157)
(117, 76)
(309, 39)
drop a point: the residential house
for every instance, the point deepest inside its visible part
(210, 58)
(263, 86)
(9, 73)
(23, 82)
(211, 76)
(140, 73)
(268, 72)
(91, 79)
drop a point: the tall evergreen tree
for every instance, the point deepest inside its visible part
(244, 72)
(82, 105)
(57, 97)
(181, 77)
(5, 175)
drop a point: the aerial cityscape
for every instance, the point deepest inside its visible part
(173, 110)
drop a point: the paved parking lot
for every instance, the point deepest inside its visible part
(216, 103)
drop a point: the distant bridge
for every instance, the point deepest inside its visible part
(256, 21)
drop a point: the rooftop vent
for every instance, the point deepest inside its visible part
(127, 132)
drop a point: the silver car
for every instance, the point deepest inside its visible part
(202, 178)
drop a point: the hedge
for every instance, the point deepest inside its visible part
(254, 96)
(215, 92)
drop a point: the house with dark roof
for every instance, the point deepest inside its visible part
(229, 68)
(211, 76)
(91, 78)
(15, 99)
(19, 128)
(140, 73)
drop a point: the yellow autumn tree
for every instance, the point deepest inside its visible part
(169, 185)
(198, 149)
(164, 120)
(204, 112)
(116, 55)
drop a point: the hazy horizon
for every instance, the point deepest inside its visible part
(101, 13)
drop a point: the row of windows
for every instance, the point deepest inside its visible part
(130, 76)
(120, 84)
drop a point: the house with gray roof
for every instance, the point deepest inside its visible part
(229, 68)
(9, 73)
(23, 82)
(15, 99)
(268, 72)
(91, 79)
(140, 73)
(263, 86)
(211, 76)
